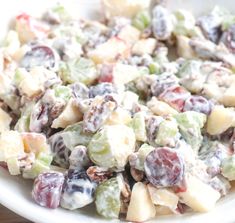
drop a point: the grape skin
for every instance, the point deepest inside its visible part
(164, 167)
(47, 189)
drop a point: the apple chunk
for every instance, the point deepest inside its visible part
(199, 196)
(110, 51)
(220, 120)
(144, 46)
(35, 143)
(11, 145)
(129, 34)
(141, 207)
(126, 8)
(228, 98)
(5, 121)
(69, 116)
(164, 197)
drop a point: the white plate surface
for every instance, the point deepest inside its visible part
(15, 193)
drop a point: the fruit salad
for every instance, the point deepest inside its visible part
(99, 111)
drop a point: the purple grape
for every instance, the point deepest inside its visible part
(78, 190)
(47, 189)
(102, 89)
(198, 104)
(45, 111)
(228, 38)
(39, 56)
(210, 26)
(164, 167)
(175, 96)
(161, 23)
(59, 150)
(163, 82)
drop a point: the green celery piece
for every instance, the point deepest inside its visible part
(228, 21)
(107, 198)
(185, 22)
(18, 77)
(99, 150)
(78, 70)
(22, 124)
(45, 158)
(154, 68)
(61, 12)
(41, 164)
(73, 135)
(228, 167)
(63, 92)
(138, 125)
(142, 20)
(189, 67)
(190, 124)
(143, 151)
(167, 132)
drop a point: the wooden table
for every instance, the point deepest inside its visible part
(7, 216)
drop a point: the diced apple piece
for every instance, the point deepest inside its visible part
(220, 120)
(30, 28)
(1, 61)
(163, 210)
(160, 107)
(35, 143)
(30, 87)
(32, 83)
(129, 34)
(163, 197)
(7, 93)
(144, 46)
(118, 73)
(228, 98)
(213, 91)
(119, 116)
(5, 82)
(184, 49)
(97, 25)
(70, 115)
(11, 145)
(127, 8)
(19, 54)
(42, 75)
(124, 73)
(11, 43)
(199, 196)
(129, 99)
(110, 51)
(141, 207)
(13, 166)
(5, 121)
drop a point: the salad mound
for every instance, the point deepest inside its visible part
(96, 112)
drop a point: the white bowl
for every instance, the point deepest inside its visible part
(15, 193)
